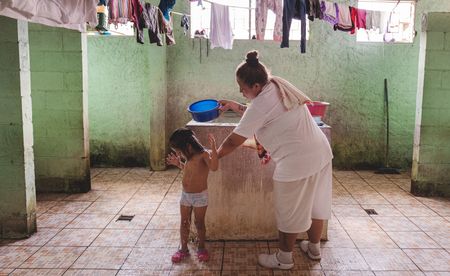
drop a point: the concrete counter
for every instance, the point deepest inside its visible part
(240, 191)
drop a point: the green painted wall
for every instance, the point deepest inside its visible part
(123, 75)
(17, 196)
(57, 89)
(335, 68)
(431, 170)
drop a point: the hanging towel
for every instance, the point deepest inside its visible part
(220, 33)
(289, 94)
(70, 14)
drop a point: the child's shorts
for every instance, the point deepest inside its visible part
(194, 199)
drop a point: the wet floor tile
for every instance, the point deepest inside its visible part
(388, 259)
(53, 257)
(74, 237)
(13, 256)
(91, 220)
(38, 272)
(102, 258)
(117, 237)
(430, 259)
(41, 237)
(342, 259)
(412, 240)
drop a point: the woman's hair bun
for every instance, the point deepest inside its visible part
(252, 58)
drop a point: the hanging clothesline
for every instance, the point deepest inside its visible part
(230, 6)
(179, 13)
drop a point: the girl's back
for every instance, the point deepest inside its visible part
(195, 175)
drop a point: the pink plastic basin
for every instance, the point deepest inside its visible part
(317, 108)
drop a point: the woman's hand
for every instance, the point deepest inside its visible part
(226, 105)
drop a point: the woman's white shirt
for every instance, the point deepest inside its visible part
(295, 142)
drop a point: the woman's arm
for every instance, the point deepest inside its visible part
(232, 105)
(250, 143)
(231, 143)
(211, 158)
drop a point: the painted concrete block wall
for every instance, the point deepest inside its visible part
(125, 80)
(57, 87)
(335, 68)
(431, 170)
(18, 196)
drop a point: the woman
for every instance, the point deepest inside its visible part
(281, 122)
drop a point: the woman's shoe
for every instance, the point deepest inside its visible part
(202, 255)
(179, 256)
(304, 246)
(271, 261)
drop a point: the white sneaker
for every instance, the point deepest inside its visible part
(271, 261)
(304, 246)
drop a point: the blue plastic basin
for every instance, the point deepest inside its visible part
(204, 110)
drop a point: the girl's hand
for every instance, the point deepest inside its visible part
(173, 159)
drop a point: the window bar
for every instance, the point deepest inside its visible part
(250, 19)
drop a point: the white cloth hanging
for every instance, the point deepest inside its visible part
(70, 14)
(220, 33)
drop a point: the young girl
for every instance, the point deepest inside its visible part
(198, 162)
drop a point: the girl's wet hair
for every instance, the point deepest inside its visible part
(182, 138)
(251, 71)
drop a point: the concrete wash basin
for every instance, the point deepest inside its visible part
(240, 191)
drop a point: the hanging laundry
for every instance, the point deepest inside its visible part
(220, 33)
(120, 11)
(136, 15)
(313, 9)
(261, 9)
(377, 20)
(166, 28)
(358, 18)
(185, 23)
(102, 18)
(330, 12)
(294, 9)
(166, 6)
(70, 14)
(150, 20)
(344, 22)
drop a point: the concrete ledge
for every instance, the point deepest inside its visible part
(17, 227)
(422, 188)
(63, 185)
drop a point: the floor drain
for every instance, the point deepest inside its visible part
(371, 211)
(126, 218)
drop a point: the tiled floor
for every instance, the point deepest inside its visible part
(80, 235)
